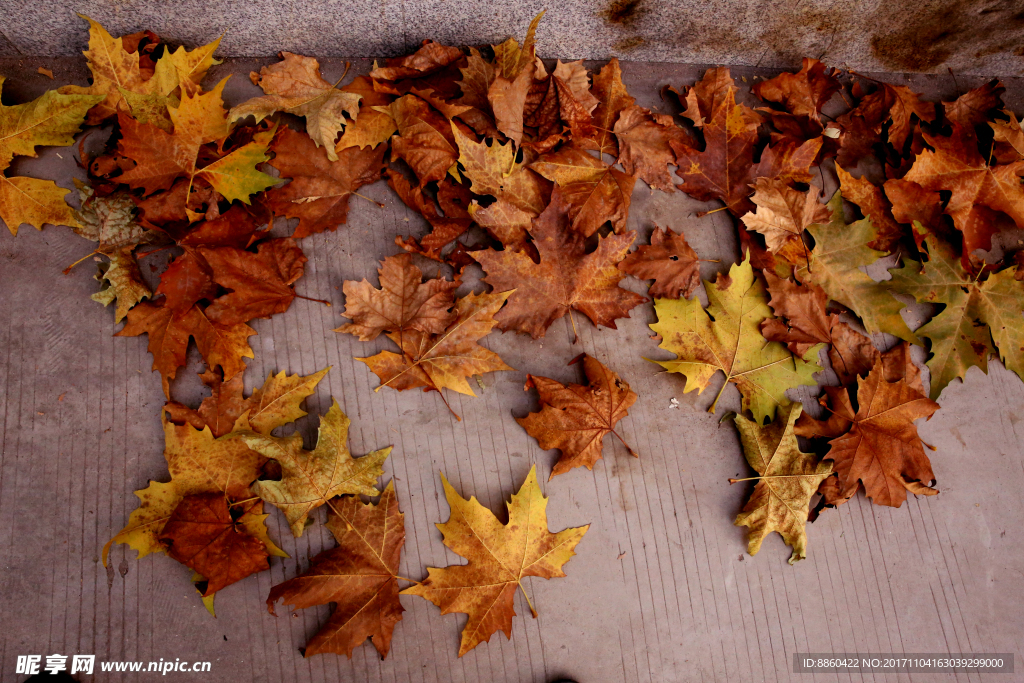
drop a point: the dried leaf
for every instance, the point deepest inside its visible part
(359, 576)
(575, 418)
(403, 302)
(727, 338)
(882, 449)
(788, 479)
(320, 189)
(565, 278)
(295, 86)
(310, 479)
(500, 557)
(669, 261)
(595, 192)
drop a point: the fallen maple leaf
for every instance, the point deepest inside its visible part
(976, 189)
(500, 557)
(575, 418)
(310, 479)
(494, 171)
(51, 119)
(260, 283)
(295, 86)
(565, 278)
(116, 71)
(834, 265)
(204, 535)
(425, 140)
(443, 361)
(644, 148)
(374, 123)
(359, 576)
(724, 169)
(162, 157)
(1008, 138)
(976, 106)
(319, 191)
(455, 200)
(976, 314)
(788, 479)
(882, 449)
(874, 205)
(727, 338)
(219, 344)
(595, 192)
(804, 322)
(612, 98)
(430, 57)
(403, 301)
(669, 261)
(198, 464)
(801, 95)
(782, 215)
(507, 97)
(110, 221)
(122, 281)
(276, 403)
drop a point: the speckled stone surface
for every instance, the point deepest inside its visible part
(969, 36)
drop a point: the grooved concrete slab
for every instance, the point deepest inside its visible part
(661, 588)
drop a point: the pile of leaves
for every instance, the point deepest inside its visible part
(525, 169)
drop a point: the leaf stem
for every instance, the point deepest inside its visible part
(372, 201)
(319, 301)
(724, 385)
(68, 269)
(527, 596)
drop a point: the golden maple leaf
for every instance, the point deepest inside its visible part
(500, 557)
(295, 86)
(727, 337)
(51, 119)
(311, 478)
(788, 479)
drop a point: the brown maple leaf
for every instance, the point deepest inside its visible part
(575, 418)
(372, 126)
(358, 575)
(861, 128)
(220, 344)
(874, 205)
(644, 145)
(455, 201)
(237, 227)
(782, 216)
(187, 280)
(565, 278)
(430, 57)
(723, 169)
(260, 283)
(403, 302)
(507, 97)
(493, 170)
(975, 107)
(612, 98)
(801, 95)
(595, 192)
(669, 261)
(424, 140)
(977, 190)
(878, 445)
(208, 537)
(276, 403)
(445, 360)
(319, 190)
